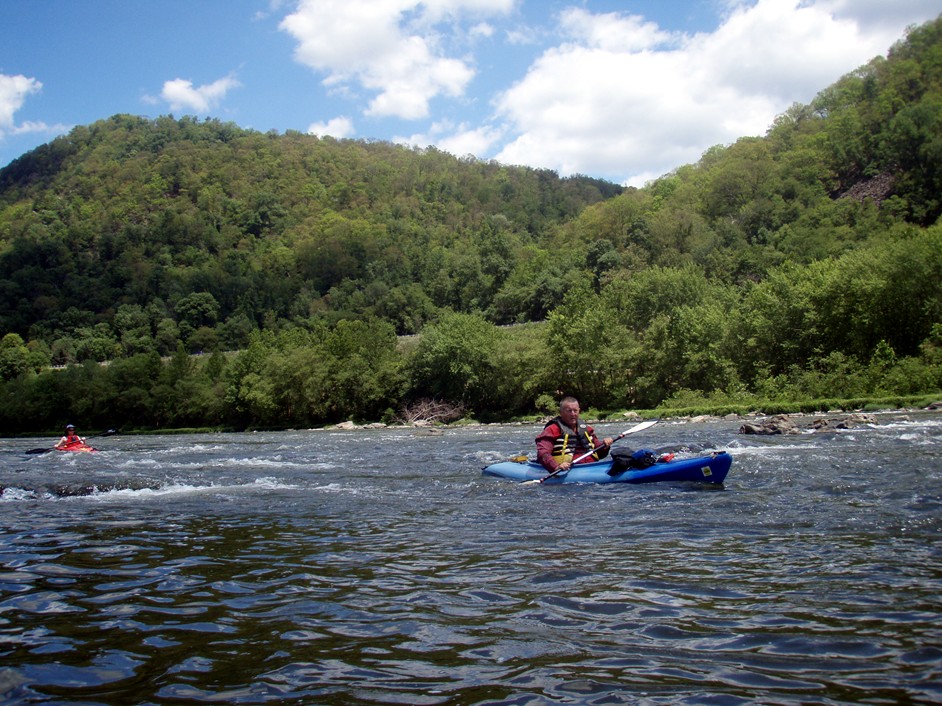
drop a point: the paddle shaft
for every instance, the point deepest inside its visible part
(637, 427)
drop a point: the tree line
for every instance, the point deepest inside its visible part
(833, 330)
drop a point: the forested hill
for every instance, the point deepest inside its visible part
(810, 251)
(203, 223)
(863, 157)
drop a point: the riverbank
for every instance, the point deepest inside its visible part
(773, 407)
(697, 413)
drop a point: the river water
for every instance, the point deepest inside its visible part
(380, 567)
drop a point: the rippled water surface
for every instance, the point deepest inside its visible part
(381, 567)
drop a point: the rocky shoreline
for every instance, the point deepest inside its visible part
(755, 423)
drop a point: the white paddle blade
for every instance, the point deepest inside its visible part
(640, 427)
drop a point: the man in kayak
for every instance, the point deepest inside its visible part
(70, 438)
(566, 437)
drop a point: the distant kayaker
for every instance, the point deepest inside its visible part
(566, 437)
(70, 438)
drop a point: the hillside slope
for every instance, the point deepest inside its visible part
(205, 224)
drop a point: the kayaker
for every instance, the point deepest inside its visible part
(566, 437)
(70, 438)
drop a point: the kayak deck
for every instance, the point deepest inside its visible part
(77, 448)
(703, 469)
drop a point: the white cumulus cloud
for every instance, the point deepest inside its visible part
(13, 93)
(181, 94)
(336, 127)
(460, 140)
(390, 48)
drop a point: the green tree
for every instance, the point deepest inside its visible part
(454, 361)
(195, 310)
(131, 381)
(365, 369)
(133, 327)
(583, 338)
(534, 288)
(15, 358)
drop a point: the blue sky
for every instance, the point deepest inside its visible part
(624, 91)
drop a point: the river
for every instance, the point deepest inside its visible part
(365, 567)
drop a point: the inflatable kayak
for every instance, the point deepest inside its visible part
(704, 469)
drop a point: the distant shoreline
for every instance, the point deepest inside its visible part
(718, 415)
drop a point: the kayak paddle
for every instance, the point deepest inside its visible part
(110, 432)
(637, 427)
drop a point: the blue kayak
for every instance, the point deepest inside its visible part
(704, 469)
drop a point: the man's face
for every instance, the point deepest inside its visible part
(569, 413)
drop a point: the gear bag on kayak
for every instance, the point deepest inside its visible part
(625, 459)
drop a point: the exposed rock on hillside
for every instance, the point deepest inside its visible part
(875, 189)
